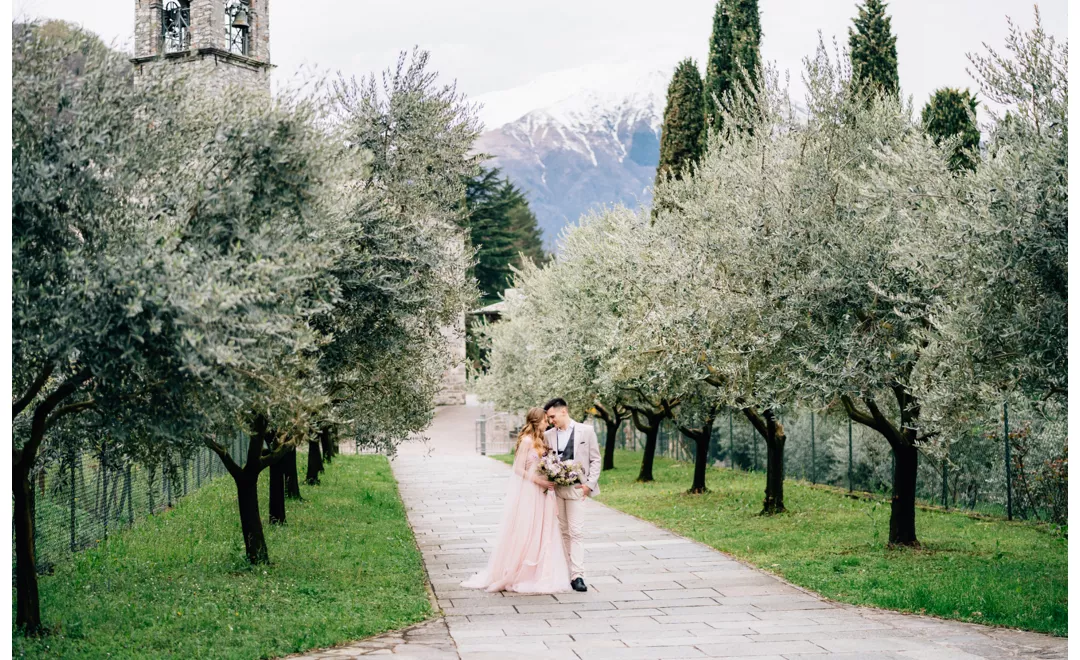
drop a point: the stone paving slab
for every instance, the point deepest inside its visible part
(427, 641)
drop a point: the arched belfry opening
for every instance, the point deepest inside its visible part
(221, 42)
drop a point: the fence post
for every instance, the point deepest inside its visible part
(813, 451)
(130, 495)
(850, 482)
(755, 434)
(104, 494)
(730, 440)
(73, 458)
(1008, 463)
(150, 491)
(185, 464)
(945, 478)
(481, 429)
(166, 483)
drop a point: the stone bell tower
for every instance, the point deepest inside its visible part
(222, 42)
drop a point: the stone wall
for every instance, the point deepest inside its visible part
(212, 70)
(454, 378)
(147, 28)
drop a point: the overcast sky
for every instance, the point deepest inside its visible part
(492, 45)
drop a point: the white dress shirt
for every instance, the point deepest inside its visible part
(562, 437)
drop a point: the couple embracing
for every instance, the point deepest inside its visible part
(540, 547)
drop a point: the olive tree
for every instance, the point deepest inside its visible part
(1001, 327)
(164, 250)
(85, 253)
(860, 297)
(723, 320)
(402, 265)
(614, 281)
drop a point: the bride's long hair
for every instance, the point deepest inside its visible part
(531, 430)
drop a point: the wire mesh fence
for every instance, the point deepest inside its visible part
(81, 498)
(829, 449)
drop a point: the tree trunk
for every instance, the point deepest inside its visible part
(774, 475)
(771, 430)
(27, 605)
(314, 463)
(902, 439)
(645, 474)
(609, 444)
(277, 493)
(701, 463)
(327, 449)
(292, 478)
(902, 519)
(247, 496)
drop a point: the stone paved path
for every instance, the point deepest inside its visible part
(427, 641)
(652, 594)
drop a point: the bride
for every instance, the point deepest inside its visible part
(529, 556)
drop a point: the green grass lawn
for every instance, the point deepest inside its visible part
(986, 571)
(177, 585)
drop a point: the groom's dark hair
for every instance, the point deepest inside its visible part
(557, 402)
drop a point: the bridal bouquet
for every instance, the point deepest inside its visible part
(562, 473)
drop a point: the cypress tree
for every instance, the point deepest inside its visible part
(718, 66)
(734, 45)
(873, 49)
(682, 138)
(951, 112)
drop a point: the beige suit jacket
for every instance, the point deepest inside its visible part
(586, 452)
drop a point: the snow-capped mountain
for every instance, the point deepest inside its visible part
(579, 139)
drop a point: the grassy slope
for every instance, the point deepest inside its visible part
(177, 585)
(987, 571)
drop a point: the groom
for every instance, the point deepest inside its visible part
(574, 442)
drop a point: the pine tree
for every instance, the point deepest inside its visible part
(734, 47)
(528, 241)
(683, 136)
(951, 112)
(502, 228)
(873, 49)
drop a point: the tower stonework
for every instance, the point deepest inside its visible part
(221, 43)
(454, 381)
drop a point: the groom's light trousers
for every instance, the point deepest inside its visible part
(572, 522)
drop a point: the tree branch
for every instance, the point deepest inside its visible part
(756, 420)
(883, 425)
(636, 413)
(275, 456)
(223, 454)
(24, 458)
(855, 414)
(33, 390)
(67, 410)
(602, 412)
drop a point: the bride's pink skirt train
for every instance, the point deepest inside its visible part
(528, 556)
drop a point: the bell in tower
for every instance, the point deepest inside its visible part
(220, 42)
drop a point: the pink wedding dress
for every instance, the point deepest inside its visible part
(529, 556)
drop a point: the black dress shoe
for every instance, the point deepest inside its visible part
(579, 585)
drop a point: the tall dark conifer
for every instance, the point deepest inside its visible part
(683, 136)
(873, 49)
(502, 228)
(735, 45)
(951, 112)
